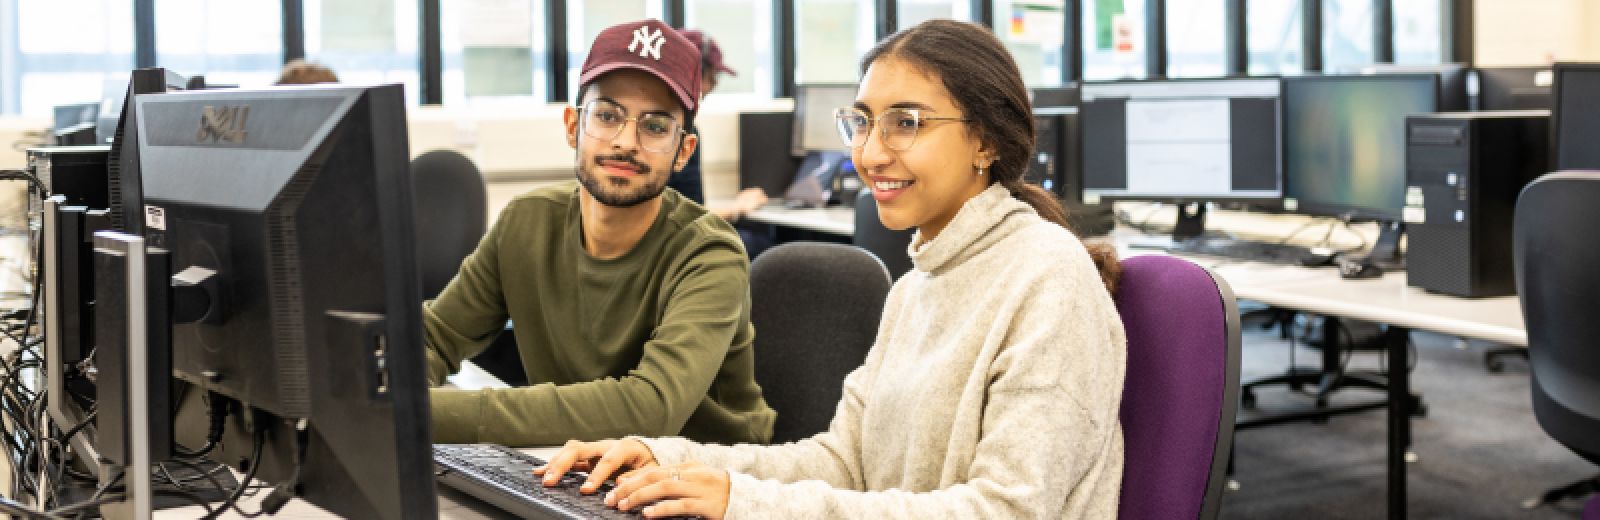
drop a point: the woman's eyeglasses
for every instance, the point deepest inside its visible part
(897, 126)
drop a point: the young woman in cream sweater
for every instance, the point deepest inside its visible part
(993, 388)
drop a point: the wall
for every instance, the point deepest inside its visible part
(1533, 32)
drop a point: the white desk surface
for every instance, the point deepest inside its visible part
(837, 220)
(1386, 299)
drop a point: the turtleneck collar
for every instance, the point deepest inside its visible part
(983, 220)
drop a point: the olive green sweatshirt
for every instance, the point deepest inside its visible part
(655, 342)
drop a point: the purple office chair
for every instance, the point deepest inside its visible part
(1182, 387)
(1593, 511)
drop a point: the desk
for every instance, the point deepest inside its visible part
(1382, 300)
(453, 505)
(833, 220)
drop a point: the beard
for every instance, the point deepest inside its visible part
(615, 192)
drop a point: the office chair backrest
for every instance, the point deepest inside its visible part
(1182, 387)
(889, 245)
(816, 308)
(1558, 276)
(451, 211)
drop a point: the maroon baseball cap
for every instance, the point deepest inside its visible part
(708, 48)
(650, 46)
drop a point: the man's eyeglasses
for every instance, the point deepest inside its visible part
(604, 120)
(897, 126)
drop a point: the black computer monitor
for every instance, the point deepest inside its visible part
(127, 213)
(1515, 88)
(1454, 81)
(1057, 97)
(1181, 140)
(288, 211)
(1345, 143)
(1575, 120)
(815, 129)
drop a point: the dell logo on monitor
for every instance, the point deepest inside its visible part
(222, 124)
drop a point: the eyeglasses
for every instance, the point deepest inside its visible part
(896, 126)
(604, 120)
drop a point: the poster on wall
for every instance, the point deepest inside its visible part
(1105, 14)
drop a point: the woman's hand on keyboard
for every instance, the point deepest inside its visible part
(602, 459)
(683, 490)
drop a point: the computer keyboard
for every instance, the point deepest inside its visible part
(504, 478)
(1246, 250)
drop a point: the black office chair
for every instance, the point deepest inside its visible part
(1556, 259)
(451, 210)
(889, 245)
(816, 308)
(451, 216)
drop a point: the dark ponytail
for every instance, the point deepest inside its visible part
(986, 85)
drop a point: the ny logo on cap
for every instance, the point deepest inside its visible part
(646, 43)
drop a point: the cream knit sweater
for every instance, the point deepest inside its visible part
(992, 391)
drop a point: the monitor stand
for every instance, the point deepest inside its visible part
(1386, 251)
(1190, 224)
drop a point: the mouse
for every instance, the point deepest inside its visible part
(1349, 268)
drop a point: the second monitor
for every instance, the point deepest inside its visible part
(1345, 142)
(1187, 140)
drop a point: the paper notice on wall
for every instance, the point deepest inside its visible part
(1122, 34)
(1037, 23)
(496, 23)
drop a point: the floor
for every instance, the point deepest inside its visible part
(1480, 451)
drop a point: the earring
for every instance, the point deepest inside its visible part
(981, 171)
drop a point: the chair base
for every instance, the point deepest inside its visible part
(1577, 489)
(1492, 358)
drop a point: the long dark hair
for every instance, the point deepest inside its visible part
(987, 87)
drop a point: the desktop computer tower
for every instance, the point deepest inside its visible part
(78, 172)
(1057, 166)
(1463, 174)
(1049, 163)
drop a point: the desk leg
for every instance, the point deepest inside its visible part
(1397, 340)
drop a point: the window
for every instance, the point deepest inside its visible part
(1033, 31)
(1195, 38)
(1346, 35)
(743, 31)
(494, 51)
(66, 52)
(1273, 37)
(236, 42)
(830, 37)
(1418, 39)
(1113, 39)
(909, 13)
(365, 42)
(585, 20)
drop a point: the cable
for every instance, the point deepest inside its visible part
(199, 474)
(217, 412)
(14, 508)
(101, 491)
(81, 424)
(255, 465)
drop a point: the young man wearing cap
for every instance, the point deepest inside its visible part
(632, 304)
